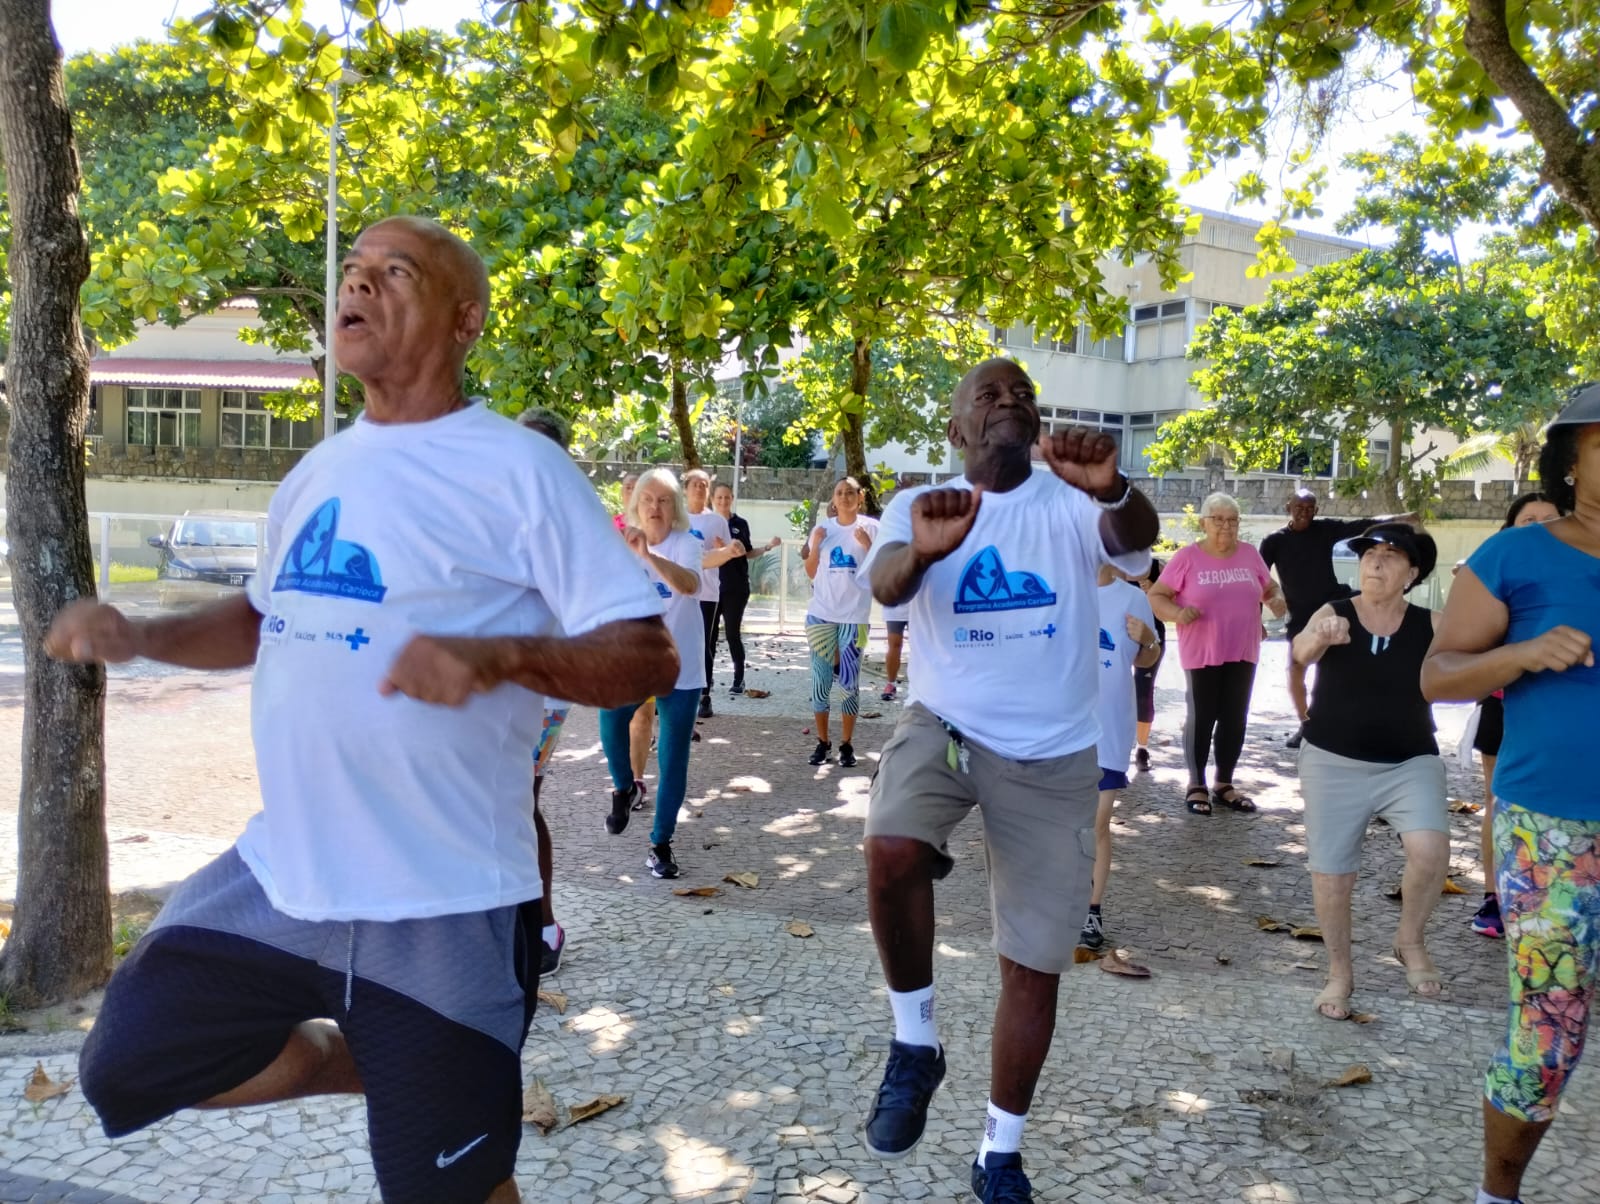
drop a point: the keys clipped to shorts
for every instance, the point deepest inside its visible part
(956, 755)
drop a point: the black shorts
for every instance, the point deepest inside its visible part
(194, 1012)
(1491, 727)
(895, 626)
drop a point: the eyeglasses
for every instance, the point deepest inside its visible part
(1222, 522)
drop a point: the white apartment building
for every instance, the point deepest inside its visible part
(1131, 384)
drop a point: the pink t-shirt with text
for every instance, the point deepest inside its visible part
(1227, 593)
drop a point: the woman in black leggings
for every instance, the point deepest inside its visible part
(1144, 680)
(735, 583)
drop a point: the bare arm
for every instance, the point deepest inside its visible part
(1317, 638)
(221, 635)
(613, 665)
(897, 573)
(1149, 646)
(720, 555)
(679, 579)
(758, 553)
(1272, 598)
(1469, 660)
(1164, 601)
(813, 554)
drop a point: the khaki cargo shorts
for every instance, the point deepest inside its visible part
(1038, 826)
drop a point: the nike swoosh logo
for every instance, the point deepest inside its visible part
(444, 1160)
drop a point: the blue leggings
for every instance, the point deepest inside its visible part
(677, 714)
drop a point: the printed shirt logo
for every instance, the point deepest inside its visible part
(840, 559)
(697, 535)
(1107, 644)
(986, 585)
(663, 590)
(318, 562)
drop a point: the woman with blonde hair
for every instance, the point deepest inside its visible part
(658, 533)
(1214, 590)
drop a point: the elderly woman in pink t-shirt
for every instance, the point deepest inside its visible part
(1214, 590)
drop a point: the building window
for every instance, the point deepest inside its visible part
(1110, 348)
(1160, 330)
(1019, 336)
(1143, 430)
(246, 422)
(164, 417)
(1298, 462)
(1067, 345)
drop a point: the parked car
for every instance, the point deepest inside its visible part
(206, 555)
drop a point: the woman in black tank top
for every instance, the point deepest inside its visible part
(1369, 750)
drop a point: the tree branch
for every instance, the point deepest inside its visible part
(1571, 160)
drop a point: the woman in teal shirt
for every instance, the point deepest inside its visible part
(1524, 614)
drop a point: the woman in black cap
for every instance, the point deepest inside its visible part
(1523, 616)
(1369, 751)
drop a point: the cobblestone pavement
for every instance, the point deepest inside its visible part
(747, 1056)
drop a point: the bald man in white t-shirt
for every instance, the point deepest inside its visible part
(999, 567)
(423, 565)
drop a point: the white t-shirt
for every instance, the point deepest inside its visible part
(897, 614)
(468, 525)
(1116, 653)
(707, 527)
(839, 594)
(683, 610)
(1003, 628)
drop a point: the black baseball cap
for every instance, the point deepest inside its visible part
(1583, 409)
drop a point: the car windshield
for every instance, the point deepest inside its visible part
(205, 534)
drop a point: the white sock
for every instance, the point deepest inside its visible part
(913, 1017)
(1485, 1196)
(552, 934)
(1002, 1133)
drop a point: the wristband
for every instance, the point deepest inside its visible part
(1127, 492)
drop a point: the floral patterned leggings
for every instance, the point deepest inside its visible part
(1549, 882)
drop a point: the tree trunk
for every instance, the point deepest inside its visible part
(680, 418)
(852, 434)
(61, 940)
(1392, 483)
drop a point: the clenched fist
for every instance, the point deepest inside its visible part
(1331, 629)
(443, 670)
(1557, 650)
(1139, 632)
(1084, 459)
(88, 631)
(941, 519)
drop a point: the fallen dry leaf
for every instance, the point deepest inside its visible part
(1223, 959)
(1263, 862)
(1353, 1076)
(872, 714)
(744, 878)
(42, 1087)
(698, 892)
(137, 838)
(1307, 933)
(555, 999)
(1450, 888)
(758, 693)
(592, 1108)
(1460, 806)
(1393, 892)
(1268, 924)
(1082, 956)
(5, 930)
(1117, 963)
(1363, 1017)
(539, 1107)
(799, 928)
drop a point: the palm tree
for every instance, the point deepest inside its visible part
(1518, 447)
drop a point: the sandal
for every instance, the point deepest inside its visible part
(1335, 998)
(1230, 798)
(1420, 976)
(1198, 801)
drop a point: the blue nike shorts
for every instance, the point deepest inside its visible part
(195, 1011)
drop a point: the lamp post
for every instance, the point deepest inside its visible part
(330, 372)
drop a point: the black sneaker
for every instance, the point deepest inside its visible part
(621, 803)
(737, 687)
(819, 755)
(661, 862)
(1142, 760)
(900, 1113)
(1093, 934)
(705, 706)
(847, 754)
(550, 958)
(998, 1179)
(1486, 920)
(1294, 740)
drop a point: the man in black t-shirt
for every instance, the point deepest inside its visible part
(1302, 555)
